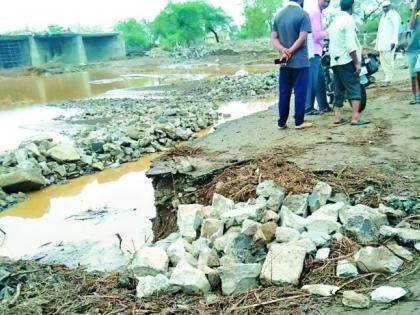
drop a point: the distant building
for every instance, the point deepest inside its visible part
(68, 48)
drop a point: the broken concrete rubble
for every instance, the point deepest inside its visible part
(22, 180)
(355, 300)
(285, 234)
(149, 285)
(321, 289)
(234, 250)
(150, 261)
(239, 215)
(237, 278)
(319, 238)
(305, 243)
(406, 235)
(221, 205)
(222, 243)
(189, 219)
(290, 220)
(363, 222)
(283, 265)
(177, 252)
(345, 269)
(212, 228)
(189, 279)
(319, 196)
(325, 219)
(322, 253)
(64, 152)
(387, 294)
(399, 251)
(377, 259)
(270, 216)
(298, 204)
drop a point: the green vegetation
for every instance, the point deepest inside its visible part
(54, 29)
(136, 33)
(259, 15)
(189, 22)
(370, 17)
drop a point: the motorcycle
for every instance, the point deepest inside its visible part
(369, 65)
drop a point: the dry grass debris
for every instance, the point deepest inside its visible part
(181, 150)
(239, 182)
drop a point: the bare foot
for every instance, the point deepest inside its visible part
(304, 125)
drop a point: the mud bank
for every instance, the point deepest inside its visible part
(366, 164)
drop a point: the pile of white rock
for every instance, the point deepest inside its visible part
(229, 248)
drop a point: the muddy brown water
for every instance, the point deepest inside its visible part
(29, 90)
(61, 213)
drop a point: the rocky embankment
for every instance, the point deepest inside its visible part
(134, 132)
(108, 132)
(276, 240)
(245, 47)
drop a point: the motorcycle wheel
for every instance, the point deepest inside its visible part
(363, 102)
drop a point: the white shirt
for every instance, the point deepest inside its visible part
(388, 31)
(343, 39)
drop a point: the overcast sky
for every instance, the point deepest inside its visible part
(38, 14)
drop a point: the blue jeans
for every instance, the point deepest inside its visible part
(292, 79)
(316, 86)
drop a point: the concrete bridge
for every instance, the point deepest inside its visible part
(68, 48)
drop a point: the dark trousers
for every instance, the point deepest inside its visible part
(316, 85)
(346, 84)
(292, 79)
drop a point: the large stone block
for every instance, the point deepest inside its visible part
(150, 261)
(377, 259)
(238, 277)
(64, 152)
(283, 264)
(22, 180)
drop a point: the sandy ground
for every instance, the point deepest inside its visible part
(390, 144)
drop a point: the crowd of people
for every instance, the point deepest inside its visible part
(299, 33)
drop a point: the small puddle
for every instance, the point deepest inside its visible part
(238, 109)
(24, 122)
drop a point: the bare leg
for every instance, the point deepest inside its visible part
(414, 85)
(337, 111)
(418, 82)
(355, 106)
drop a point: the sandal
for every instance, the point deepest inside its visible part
(360, 122)
(340, 122)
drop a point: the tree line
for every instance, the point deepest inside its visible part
(193, 21)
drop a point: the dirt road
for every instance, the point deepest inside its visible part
(389, 145)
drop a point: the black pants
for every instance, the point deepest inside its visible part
(346, 84)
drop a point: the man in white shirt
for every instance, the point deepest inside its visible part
(387, 39)
(345, 52)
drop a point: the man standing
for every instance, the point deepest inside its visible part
(290, 29)
(387, 39)
(345, 51)
(413, 53)
(316, 86)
